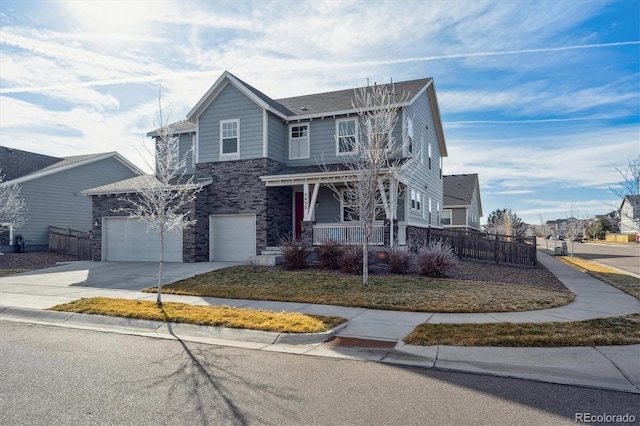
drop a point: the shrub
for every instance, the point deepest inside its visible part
(327, 254)
(400, 260)
(436, 259)
(294, 253)
(351, 259)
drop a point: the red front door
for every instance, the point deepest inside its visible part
(298, 214)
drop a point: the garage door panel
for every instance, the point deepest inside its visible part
(130, 240)
(233, 237)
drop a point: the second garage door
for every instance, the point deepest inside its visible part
(128, 240)
(232, 237)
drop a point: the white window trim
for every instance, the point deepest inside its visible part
(419, 198)
(355, 151)
(409, 139)
(450, 217)
(308, 138)
(234, 155)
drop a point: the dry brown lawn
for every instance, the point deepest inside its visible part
(218, 316)
(601, 331)
(391, 292)
(627, 283)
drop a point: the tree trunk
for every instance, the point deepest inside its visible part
(365, 263)
(159, 299)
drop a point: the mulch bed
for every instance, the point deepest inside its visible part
(34, 260)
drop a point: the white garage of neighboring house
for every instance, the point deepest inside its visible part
(125, 239)
(232, 237)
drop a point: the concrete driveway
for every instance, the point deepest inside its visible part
(47, 287)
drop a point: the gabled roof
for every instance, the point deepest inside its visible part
(72, 162)
(16, 163)
(133, 185)
(634, 201)
(458, 190)
(179, 127)
(341, 101)
(319, 105)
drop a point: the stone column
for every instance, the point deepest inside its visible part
(307, 233)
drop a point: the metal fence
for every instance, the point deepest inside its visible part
(68, 241)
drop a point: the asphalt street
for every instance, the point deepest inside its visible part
(58, 376)
(625, 257)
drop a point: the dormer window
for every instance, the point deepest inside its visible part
(298, 141)
(346, 136)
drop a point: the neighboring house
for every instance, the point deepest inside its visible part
(52, 189)
(630, 214)
(462, 204)
(258, 161)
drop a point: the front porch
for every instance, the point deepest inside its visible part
(320, 212)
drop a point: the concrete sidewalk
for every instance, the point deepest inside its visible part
(615, 368)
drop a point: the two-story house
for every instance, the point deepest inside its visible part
(259, 162)
(462, 203)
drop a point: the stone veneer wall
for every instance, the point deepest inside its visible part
(103, 205)
(107, 206)
(237, 189)
(417, 236)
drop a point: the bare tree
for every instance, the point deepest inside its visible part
(574, 228)
(163, 199)
(369, 188)
(545, 230)
(594, 228)
(13, 210)
(630, 184)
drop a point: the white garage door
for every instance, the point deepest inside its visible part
(233, 238)
(128, 240)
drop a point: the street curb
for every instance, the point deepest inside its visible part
(165, 328)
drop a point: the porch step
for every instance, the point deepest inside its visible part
(272, 251)
(265, 260)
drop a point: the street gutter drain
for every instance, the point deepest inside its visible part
(360, 344)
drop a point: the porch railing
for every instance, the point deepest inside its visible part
(346, 234)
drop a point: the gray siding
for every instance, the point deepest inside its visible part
(421, 176)
(228, 105)
(328, 208)
(185, 150)
(474, 211)
(459, 217)
(278, 144)
(57, 200)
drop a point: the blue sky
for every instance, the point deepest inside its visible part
(541, 98)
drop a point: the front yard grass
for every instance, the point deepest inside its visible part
(627, 283)
(623, 330)
(601, 331)
(217, 316)
(391, 292)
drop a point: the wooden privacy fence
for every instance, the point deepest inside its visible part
(490, 248)
(68, 241)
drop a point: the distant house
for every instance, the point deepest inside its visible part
(257, 160)
(52, 189)
(462, 205)
(630, 214)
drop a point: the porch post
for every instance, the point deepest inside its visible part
(305, 200)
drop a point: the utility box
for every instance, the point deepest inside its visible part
(565, 251)
(558, 251)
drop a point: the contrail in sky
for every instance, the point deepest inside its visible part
(177, 75)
